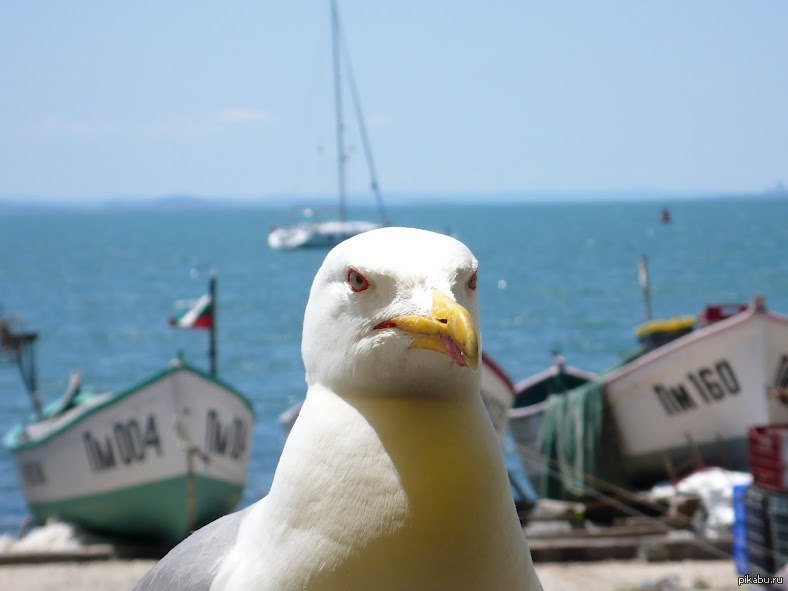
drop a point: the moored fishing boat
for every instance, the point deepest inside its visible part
(693, 398)
(530, 402)
(685, 399)
(154, 461)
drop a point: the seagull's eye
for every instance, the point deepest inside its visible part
(356, 280)
(472, 282)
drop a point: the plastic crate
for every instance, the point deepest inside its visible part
(769, 442)
(759, 535)
(767, 453)
(739, 512)
(737, 497)
(760, 558)
(777, 511)
(755, 501)
(773, 478)
(766, 461)
(739, 529)
(760, 562)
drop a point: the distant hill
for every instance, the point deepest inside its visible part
(182, 201)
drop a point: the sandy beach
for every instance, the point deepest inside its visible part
(120, 575)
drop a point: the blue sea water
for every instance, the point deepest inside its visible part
(99, 286)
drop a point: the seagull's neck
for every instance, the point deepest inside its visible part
(410, 463)
(445, 453)
(410, 494)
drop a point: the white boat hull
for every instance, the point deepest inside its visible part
(525, 424)
(317, 235)
(179, 442)
(497, 393)
(697, 397)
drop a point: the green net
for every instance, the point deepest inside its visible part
(578, 439)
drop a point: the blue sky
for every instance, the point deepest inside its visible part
(234, 98)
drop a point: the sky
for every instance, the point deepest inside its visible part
(150, 98)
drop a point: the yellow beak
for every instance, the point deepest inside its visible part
(448, 330)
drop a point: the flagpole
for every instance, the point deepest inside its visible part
(212, 332)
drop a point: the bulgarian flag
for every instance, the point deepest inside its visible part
(199, 315)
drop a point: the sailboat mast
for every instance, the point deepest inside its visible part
(374, 185)
(338, 110)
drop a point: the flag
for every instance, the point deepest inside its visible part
(199, 315)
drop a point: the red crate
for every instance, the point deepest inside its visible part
(768, 456)
(769, 463)
(771, 479)
(769, 440)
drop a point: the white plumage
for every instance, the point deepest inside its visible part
(392, 477)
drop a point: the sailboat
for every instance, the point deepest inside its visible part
(329, 233)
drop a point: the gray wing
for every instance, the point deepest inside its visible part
(193, 563)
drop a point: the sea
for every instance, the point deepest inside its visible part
(99, 284)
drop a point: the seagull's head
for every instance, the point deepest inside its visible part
(393, 312)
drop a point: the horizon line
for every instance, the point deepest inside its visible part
(506, 196)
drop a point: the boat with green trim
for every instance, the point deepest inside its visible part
(154, 462)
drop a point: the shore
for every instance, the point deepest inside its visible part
(626, 575)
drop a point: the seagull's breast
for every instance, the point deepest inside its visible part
(387, 494)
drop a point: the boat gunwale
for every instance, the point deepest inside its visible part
(550, 372)
(14, 447)
(498, 371)
(527, 411)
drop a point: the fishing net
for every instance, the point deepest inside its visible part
(578, 440)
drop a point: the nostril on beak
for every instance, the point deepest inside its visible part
(443, 320)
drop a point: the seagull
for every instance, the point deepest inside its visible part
(392, 477)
